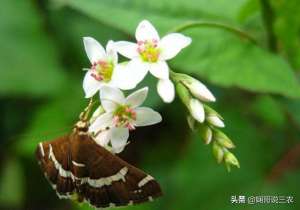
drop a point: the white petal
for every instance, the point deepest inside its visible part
(216, 121)
(166, 90)
(110, 98)
(111, 52)
(146, 31)
(90, 85)
(136, 98)
(137, 69)
(146, 116)
(122, 78)
(197, 110)
(119, 138)
(171, 45)
(160, 70)
(127, 49)
(199, 90)
(103, 138)
(93, 49)
(102, 122)
(99, 111)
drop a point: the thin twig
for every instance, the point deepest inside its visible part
(194, 24)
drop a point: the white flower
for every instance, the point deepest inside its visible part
(197, 110)
(150, 53)
(121, 115)
(105, 69)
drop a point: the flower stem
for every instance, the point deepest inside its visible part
(198, 24)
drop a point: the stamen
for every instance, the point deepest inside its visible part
(149, 50)
(102, 70)
(124, 117)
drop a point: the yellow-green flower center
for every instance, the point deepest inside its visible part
(103, 70)
(124, 117)
(149, 50)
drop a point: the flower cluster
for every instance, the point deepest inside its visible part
(203, 118)
(117, 114)
(111, 123)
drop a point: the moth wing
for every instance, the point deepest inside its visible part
(106, 179)
(53, 157)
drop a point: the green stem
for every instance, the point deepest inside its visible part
(268, 19)
(194, 24)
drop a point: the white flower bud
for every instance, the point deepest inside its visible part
(198, 89)
(215, 120)
(197, 110)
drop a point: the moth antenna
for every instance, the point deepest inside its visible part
(83, 123)
(86, 112)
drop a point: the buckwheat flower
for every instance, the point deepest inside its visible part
(104, 69)
(121, 116)
(150, 53)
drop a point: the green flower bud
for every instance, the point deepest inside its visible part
(191, 122)
(206, 133)
(223, 140)
(183, 94)
(230, 160)
(217, 152)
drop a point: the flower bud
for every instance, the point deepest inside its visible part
(215, 120)
(223, 140)
(230, 160)
(197, 110)
(217, 152)
(206, 133)
(197, 88)
(183, 93)
(191, 122)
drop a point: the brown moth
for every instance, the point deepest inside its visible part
(78, 168)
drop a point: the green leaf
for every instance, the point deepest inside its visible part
(287, 27)
(240, 63)
(29, 63)
(270, 111)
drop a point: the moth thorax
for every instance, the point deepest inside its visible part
(81, 126)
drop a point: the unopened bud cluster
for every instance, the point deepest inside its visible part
(201, 117)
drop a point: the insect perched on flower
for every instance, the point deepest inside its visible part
(111, 129)
(150, 53)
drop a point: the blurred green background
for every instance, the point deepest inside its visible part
(257, 87)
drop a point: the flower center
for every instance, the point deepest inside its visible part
(124, 117)
(102, 70)
(149, 50)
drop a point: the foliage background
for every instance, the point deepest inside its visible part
(257, 87)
